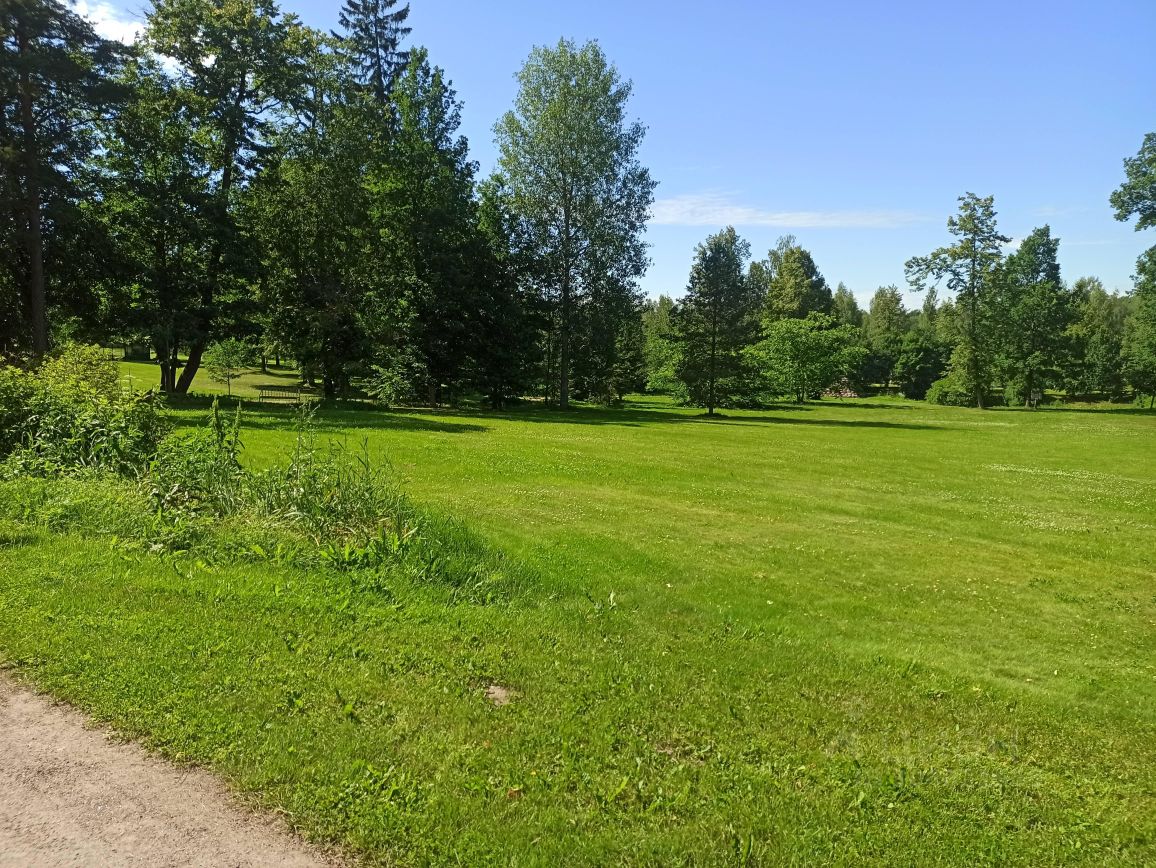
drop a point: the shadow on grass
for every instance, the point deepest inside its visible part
(341, 416)
(639, 418)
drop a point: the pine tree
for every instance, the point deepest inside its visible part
(717, 322)
(374, 31)
(970, 267)
(56, 80)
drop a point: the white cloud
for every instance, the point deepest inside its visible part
(719, 209)
(109, 22)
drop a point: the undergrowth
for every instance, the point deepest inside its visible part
(85, 457)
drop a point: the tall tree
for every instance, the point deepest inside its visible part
(1136, 197)
(969, 266)
(716, 322)
(57, 81)
(568, 160)
(790, 281)
(885, 327)
(1094, 363)
(1035, 312)
(845, 308)
(155, 193)
(1139, 347)
(243, 62)
(374, 30)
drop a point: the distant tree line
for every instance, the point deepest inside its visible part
(237, 179)
(746, 333)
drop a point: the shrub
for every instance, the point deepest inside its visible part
(72, 413)
(949, 391)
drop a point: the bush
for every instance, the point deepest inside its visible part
(72, 413)
(950, 392)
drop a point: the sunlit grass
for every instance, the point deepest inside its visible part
(842, 632)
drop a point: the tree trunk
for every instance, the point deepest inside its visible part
(564, 345)
(34, 239)
(192, 365)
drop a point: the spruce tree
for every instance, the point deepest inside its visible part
(374, 30)
(716, 322)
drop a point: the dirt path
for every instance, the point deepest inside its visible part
(71, 796)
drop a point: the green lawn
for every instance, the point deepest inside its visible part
(146, 375)
(845, 632)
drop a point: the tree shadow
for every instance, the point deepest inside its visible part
(597, 416)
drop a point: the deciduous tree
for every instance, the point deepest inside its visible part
(568, 160)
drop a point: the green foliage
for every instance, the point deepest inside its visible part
(803, 357)
(57, 76)
(845, 308)
(885, 328)
(921, 361)
(970, 267)
(1138, 351)
(716, 322)
(660, 345)
(373, 33)
(1035, 311)
(790, 282)
(72, 414)
(578, 196)
(951, 391)
(1136, 197)
(228, 359)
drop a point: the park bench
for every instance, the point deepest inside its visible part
(276, 392)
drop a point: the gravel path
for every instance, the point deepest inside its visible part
(69, 795)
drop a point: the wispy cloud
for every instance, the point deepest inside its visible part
(720, 209)
(109, 22)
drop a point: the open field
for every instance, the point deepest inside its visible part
(830, 633)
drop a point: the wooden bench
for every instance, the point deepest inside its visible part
(275, 392)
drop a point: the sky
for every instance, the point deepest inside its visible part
(854, 125)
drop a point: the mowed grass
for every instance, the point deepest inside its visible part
(147, 375)
(845, 632)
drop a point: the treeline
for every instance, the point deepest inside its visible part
(238, 176)
(746, 333)
(238, 181)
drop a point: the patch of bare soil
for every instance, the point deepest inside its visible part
(71, 795)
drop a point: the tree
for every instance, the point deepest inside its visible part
(1093, 362)
(228, 359)
(716, 322)
(802, 357)
(1139, 347)
(242, 62)
(970, 267)
(374, 30)
(1136, 197)
(1035, 311)
(56, 82)
(154, 195)
(568, 160)
(844, 307)
(659, 344)
(791, 282)
(884, 328)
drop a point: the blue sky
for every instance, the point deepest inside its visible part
(851, 125)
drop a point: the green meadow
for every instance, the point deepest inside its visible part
(843, 632)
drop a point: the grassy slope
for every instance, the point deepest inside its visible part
(821, 633)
